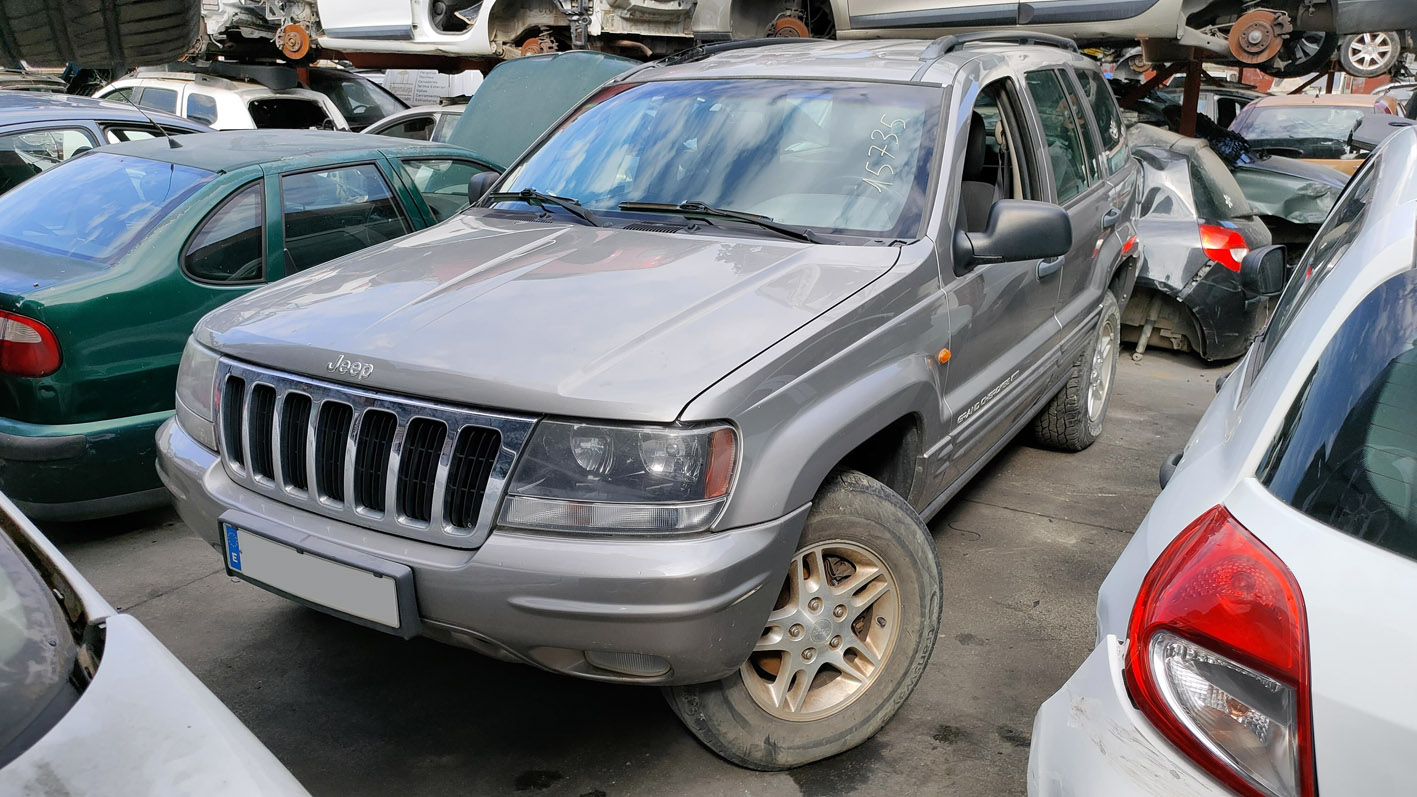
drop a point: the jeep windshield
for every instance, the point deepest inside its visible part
(836, 158)
(95, 207)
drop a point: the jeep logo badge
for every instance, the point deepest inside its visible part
(348, 367)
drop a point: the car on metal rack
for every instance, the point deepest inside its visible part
(1254, 637)
(671, 404)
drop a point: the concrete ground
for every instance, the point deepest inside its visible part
(353, 711)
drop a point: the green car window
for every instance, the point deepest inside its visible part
(229, 247)
(442, 182)
(332, 212)
(95, 207)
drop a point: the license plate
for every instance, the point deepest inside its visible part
(348, 590)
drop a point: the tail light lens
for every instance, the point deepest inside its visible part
(1218, 658)
(1224, 245)
(27, 347)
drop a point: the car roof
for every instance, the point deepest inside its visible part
(229, 150)
(34, 106)
(211, 83)
(1341, 100)
(883, 59)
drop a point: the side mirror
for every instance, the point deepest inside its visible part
(1262, 271)
(479, 184)
(1018, 229)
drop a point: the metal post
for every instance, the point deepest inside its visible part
(1191, 96)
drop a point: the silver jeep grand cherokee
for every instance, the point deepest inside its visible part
(672, 402)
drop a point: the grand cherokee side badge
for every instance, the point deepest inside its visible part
(345, 366)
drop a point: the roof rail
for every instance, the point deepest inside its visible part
(948, 44)
(702, 51)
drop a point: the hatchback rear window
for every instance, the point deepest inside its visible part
(1347, 453)
(97, 206)
(288, 113)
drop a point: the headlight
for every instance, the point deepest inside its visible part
(589, 477)
(196, 393)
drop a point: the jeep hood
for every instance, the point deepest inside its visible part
(544, 318)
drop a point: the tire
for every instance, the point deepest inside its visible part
(102, 34)
(1370, 54)
(1302, 54)
(853, 515)
(1073, 420)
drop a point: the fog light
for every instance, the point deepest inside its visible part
(640, 665)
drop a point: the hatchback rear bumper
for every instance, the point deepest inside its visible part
(1089, 740)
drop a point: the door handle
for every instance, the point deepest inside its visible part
(1046, 267)
(1110, 218)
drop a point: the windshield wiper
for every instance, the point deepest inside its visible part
(701, 210)
(531, 196)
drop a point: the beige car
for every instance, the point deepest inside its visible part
(1311, 128)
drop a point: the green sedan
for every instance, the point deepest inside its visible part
(108, 261)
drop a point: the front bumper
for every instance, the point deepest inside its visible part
(81, 471)
(698, 602)
(1089, 740)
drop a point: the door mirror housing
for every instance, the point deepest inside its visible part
(479, 184)
(1018, 229)
(1263, 270)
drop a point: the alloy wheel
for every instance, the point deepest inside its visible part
(828, 637)
(1370, 50)
(1100, 379)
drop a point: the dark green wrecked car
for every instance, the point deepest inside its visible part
(107, 262)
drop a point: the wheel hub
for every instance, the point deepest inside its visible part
(829, 635)
(1100, 380)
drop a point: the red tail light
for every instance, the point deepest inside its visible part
(1218, 658)
(1224, 245)
(27, 347)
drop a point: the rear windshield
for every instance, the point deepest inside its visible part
(1347, 453)
(288, 113)
(96, 206)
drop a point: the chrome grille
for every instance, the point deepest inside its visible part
(415, 468)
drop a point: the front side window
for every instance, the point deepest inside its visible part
(1066, 151)
(289, 113)
(442, 182)
(95, 207)
(1108, 116)
(842, 158)
(1347, 453)
(333, 212)
(25, 154)
(229, 246)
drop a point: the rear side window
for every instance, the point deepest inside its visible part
(333, 212)
(229, 246)
(1066, 151)
(1347, 453)
(158, 99)
(419, 128)
(1108, 117)
(1217, 194)
(201, 108)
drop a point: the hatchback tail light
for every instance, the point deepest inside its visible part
(1224, 245)
(1218, 658)
(27, 347)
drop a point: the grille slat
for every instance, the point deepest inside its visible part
(415, 468)
(294, 423)
(371, 458)
(233, 410)
(473, 457)
(331, 437)
(262, 417)
(418, 465)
